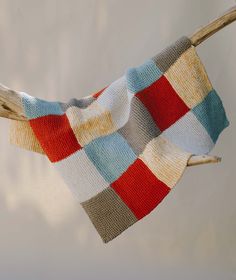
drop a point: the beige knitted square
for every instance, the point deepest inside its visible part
(192, 86)
(90, 123)
(165, 160)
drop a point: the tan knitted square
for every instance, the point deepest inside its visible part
(27, 139)
(189, 78)
(165, 160)
(90, 123)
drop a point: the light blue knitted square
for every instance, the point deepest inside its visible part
(141, 77)
(111, 155)
(35, 107)
(210, 112)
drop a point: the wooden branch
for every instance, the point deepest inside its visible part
(10, 104)
(10, 108)
(10, 101)
(203, 159)
(214, 26)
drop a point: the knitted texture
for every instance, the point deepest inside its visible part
(122, 149)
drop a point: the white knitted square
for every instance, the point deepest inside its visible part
(81, 175)
(190, 135)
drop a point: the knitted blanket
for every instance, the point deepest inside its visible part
(122, 149)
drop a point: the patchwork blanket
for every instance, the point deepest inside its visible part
(122, 149)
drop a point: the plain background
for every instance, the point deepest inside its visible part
(58, 49)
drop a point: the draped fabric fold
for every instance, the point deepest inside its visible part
(122, 149)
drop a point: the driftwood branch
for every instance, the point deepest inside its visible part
(10, 103)
(10, 108)
(203, 159)
(214, 26)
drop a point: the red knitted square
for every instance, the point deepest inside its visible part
(95, 95)
(163, 103)
(140, 189)
(56, 136)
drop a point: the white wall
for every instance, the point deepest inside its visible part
(59, 49)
